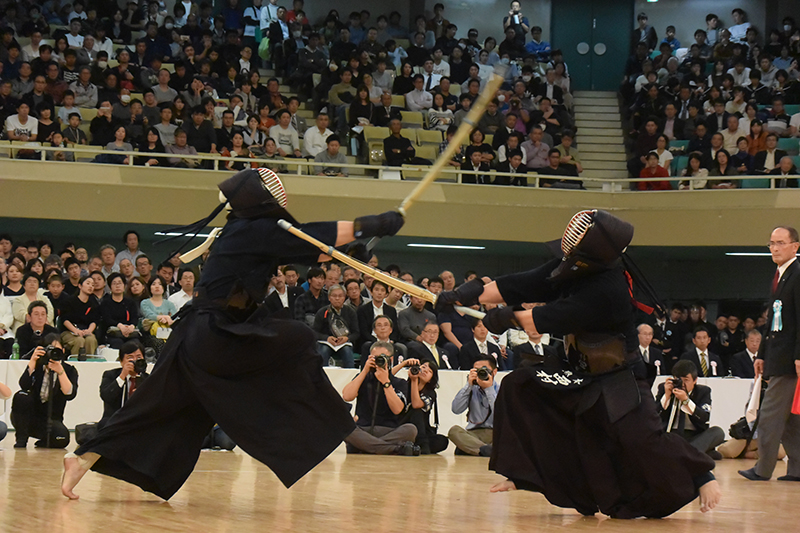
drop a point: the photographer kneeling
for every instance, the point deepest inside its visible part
(46, 386)
(423, 379)
(381, 400)
(478, 395)
(117, 386)
(691, 403)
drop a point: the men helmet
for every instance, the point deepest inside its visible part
(593, 241)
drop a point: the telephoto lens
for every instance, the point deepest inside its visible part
(413, 370)
(484, 373)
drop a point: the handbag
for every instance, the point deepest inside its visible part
(85, 432)
(263, 49)
(740, 430)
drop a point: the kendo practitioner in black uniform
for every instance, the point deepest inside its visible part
(584, 431)
(227, 361)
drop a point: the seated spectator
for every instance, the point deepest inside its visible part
(80, 318)
(425, 349)
(569, 154)
(165, 126)
(412, 322)
(477, 139)
(555, 168)
(285, 136)
(709, 364)
(418, 99)
(777, 121)
(646, 142)
(769, 158)
(152, 144)
(653, 170)
(45, 389)
(551, 119)
(253, 136)
(513, 165)
(382, 329)
(186, 282)
(782, 171)
(157, 308)
(21, 126)
(117, 386)
(383, 77)
(341, 96)
(237, 150)
(119, 314)
(731, 135)
(119, 144)
(492, 120)
(398, 150)
(477, 397)
(369, 311)
(281, 301)
(742, 161)
(474, 162)
(55, 292)
(200, 133)
(72, 134)
(331, 155)
(691, 403)
(311, 301)
(379, 429)
(316, 136)
(514, 142)
(103, 125)
(385, 112)
(479, 349)
(742, 363)
(336, 329)
(360, 109)
(136, 288)
(32, 293)
(439, 116)
(536, 151)
(181, 148)
(31, 334)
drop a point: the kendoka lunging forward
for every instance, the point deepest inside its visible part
(259, 378)
(584, 431)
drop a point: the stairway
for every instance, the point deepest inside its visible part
(600, 138)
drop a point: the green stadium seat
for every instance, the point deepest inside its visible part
(678, 164)
(792, 109)
(790, 145)
(678, 144)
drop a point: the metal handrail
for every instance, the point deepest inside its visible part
(616, 185)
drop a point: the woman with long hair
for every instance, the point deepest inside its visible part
(404, 82)
(151, 145)
(757, 140)
(694, 169)
(136, 289)
(361, 108)
(439, 116)
(476, 139)
(722, 167)
(180, 111)
(423, 380)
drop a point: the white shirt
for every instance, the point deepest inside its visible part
(742, 79)
(419, 100)
(30, 128)
(377, 311)
(75, 41)
(442, 69)
(314, 141)
(751, 355)
(180, 298)
(643, 350)
(784, 266)
(769, 161)
(269, 14)
(729, 139)
(431, 81)
(29, 52)
(483, 347)
(739, 32)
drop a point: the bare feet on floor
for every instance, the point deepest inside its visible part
(710, 495)
(73, 472)
(503, 486)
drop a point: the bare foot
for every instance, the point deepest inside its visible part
(73, 472)
(710, 495)
(503, 486)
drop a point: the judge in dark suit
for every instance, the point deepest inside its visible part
(427, 349)
(742, 363)
(769, 159)
(708, 364)
(691, 404)
(779, 361)
(479, 348)
(117, 385)
(653, 357)
(473, 163)
(512, 165)
(369, 311)
(382, 114)
(280, 302)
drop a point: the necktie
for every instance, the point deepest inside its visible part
(537, 349)
(131, 386)
(775, 280)
(435, 355)
(645, 355)
(483, 349)
(684, 111)
(703, 364)
(428, 83)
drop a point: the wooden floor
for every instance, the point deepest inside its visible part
(230, 492)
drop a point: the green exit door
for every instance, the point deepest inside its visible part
(594, 36)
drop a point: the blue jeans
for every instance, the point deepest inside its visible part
(345, 353)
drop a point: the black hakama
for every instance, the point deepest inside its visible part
(260, 379)
(589, 442)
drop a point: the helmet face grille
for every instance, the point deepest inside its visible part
(273, 184)
(576, 230)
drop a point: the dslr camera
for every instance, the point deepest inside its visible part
(677, 383)
(413, 370)
(381, 360)
(484, 373)
(140, 366)
(51, 353)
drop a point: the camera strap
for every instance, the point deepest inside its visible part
(471, 392)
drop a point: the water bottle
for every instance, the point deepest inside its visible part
(15, 350)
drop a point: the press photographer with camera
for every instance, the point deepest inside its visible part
(478, 395)
(685, 408)
(31, 334)
(45, 388)
(117, 386)
(381, 401)
(423, 379)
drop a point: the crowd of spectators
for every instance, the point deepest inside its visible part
(723, 98)
(143, 77)
(115, 299)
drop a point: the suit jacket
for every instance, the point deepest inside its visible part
(366, 315)
(558, 93)
(761, 158)
(526, 352)
(654, 354)
(500, 137)
(469, 353)
(275, 306)
(111, 393)
(678, 128)
(790, 182)
(780, 349)
(417, 350)
(475, 178)
(742, 366)
(711, 122)
(692, 356)
(521, 180)
(381, 118)
(701, 396)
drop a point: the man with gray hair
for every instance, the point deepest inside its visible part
(381, 400)
(742, 363)
(108, 254)
(653, 357)
(336, 329)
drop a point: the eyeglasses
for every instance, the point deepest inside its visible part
(779, 244)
